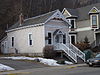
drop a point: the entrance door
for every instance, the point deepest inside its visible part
(58, 39)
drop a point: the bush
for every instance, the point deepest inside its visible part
(96, 49)
(48, 52)
(83, 45)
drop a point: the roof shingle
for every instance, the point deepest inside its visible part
(82, 13)
(34, 20)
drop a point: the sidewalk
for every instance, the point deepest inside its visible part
(41, 69)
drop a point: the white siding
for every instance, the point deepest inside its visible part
(21, 40)
(4, 46)
(52, 25)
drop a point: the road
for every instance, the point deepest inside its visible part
(21, 65)
(63, 70)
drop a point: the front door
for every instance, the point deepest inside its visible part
(58, 39)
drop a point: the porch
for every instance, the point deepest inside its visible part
(61, 43)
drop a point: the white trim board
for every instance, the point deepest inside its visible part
(83, 29)
(74, 36)
(35, 25)
(92, 9)
(66, 11)
(97, 16)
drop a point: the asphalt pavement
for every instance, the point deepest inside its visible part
(34, 68)
(22, 65)
(63, 70)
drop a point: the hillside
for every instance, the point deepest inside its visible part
(10, 9)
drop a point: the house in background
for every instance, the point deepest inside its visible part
(85, 23)
(31, 35)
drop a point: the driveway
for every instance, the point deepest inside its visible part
(21, 65)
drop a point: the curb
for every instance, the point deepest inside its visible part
(18, 73)
(74, 66)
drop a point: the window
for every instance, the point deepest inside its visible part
(73, 23)
(94, 19)
(30, 39)
(12, 41)
(49, 38)
(73, 39)
(64, 39)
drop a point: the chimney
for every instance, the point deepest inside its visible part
(21, 19)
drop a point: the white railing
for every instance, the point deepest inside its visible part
(77, 51)
(61, 46)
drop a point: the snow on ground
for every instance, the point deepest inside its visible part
(69, 63)
(5, 68)
(50, 62)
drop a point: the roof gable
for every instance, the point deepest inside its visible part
(83, 12)
(94, 10)
(58, 16)
(69, 12)
(65, 12)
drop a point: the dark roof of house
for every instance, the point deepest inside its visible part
(82, 13)
(34, 20)
(73, 12)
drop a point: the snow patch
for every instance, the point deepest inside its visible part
(50, 62)
(69, 63)
(5, 68)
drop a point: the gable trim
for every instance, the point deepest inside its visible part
(63, 18)
(92, 9)
(67, 12)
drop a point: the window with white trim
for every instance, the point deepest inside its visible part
(30, 39)
(94, 21)
(72, 22)
(73, 39)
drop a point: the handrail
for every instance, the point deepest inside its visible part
(61, 46)
(69, 52)
(77, 51)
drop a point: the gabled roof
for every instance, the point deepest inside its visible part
(82, 13)
(39, 20)
(34, 20)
